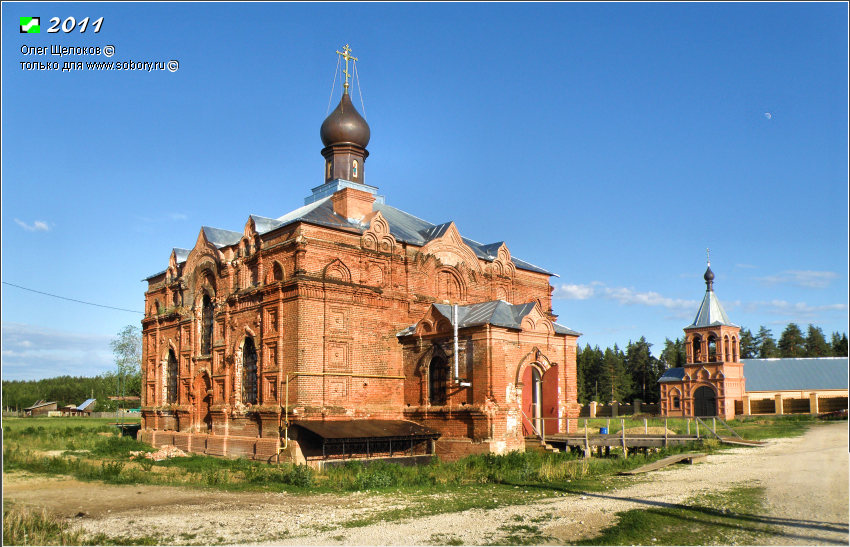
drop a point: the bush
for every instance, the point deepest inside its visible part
(301, 476)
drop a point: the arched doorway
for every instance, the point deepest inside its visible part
(705, 402)
(532, 397)
(203, 398)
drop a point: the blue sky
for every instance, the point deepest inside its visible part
(610, 143)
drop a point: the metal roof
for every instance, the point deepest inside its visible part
(362, 429)
(221, 238)
(792, 374)
(711, 313)
(85, 404)
(40, 403)
(495, 312)
(673, 375)
(404, 227)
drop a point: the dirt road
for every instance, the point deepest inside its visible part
(806, 482)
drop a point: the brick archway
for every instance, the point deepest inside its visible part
(705, 401)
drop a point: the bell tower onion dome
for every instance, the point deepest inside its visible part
(345, 135)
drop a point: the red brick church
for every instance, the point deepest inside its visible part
(349, 328)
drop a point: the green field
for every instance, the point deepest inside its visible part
(91, 450)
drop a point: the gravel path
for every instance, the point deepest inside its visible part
(806, 481)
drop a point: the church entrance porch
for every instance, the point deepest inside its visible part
(705, 402)
(539, 401)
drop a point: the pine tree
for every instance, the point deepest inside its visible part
(644, 370)
(792, 343)
(839, 344)
(747, 344)
(620, 383)
(674, 354)
(766, 344)
(816, 345)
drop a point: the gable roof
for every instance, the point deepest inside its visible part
(85, 404)
(495, 312)
(40, 403)
(792, 374)
(710, 313)
(673, 375)
(405, 227)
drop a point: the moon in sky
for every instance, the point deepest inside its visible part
(768, 115)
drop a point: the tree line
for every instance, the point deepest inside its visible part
(617, 375)
(72, 390)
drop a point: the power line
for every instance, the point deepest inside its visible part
(71, 299)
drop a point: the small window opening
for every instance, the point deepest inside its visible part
(676, 402)
(249, 375)
(172, 377)
(354, 169)
(206, 325)
(437, 372)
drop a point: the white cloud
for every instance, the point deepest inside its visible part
(37, 226)
(574, 292)
(745, 266)
(622, 295)
(31, 352)
(801, 278)
(650, 298)
(178, 216)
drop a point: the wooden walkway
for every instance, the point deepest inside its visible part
(689, 458)
(616, 440)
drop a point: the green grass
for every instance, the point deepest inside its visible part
(25, 526)
(90, 449)
(29, 527)
(725, 518)
(757, 428)
(751, 427)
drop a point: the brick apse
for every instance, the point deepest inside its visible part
(329, 332)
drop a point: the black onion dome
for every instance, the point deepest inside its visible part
(345, 125)
(709, 277)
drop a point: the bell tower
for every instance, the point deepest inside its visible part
(713, 375)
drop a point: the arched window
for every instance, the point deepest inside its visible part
(249, 372)
(206, 325)
(354, 169)
(697, 349)
(734, 349)
(172, 373)
(437, 381)
(156, 307)
(726, 352)
(712, 348)
(328, 170)
(676, 401)
(277, 272)
(175, 298)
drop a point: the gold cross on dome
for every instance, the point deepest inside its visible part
(346, 54)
